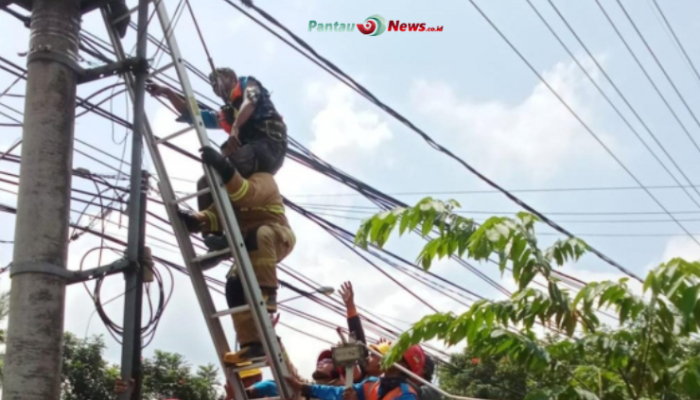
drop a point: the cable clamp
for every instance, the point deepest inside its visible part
(46, 268)
(46, 53)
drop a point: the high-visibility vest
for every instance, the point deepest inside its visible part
(371, 391)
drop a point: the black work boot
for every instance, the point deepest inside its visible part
(216, 160)
(119, 9)
(214, 243)
(270, 297)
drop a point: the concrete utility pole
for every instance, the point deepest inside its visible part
(35, 333)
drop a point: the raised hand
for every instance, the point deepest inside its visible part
(347, 294)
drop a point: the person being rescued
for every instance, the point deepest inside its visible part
(394, 384)
(268, 239)
(257, 139)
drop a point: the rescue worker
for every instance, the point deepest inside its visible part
(267, 388)
(393, 385)
(326, 373)
(251, 376)
(252, 380)
(426, 392)
(374, 362)
(257, 134)
(268, 239)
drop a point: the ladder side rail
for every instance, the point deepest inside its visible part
(233, 233)
(184, 241)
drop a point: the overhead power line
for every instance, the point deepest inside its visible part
(487, 191)
(195, 157)
(624, 98)
(659, 64)
(351, 82)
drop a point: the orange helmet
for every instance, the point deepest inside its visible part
(415, 358)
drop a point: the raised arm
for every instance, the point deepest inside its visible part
(210, 117)
(354, 321)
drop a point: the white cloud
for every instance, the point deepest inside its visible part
(682, 247)
(342, 125)
(529, 140)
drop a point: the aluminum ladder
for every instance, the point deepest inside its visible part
(275, 358)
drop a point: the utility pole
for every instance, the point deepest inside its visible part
(35, 333)
(135, 251)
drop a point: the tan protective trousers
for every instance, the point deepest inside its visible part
(271, 244)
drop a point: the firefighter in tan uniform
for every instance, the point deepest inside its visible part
(268, 238)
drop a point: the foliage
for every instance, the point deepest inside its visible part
(167, 375)
(87, 376)
(647, 355)
(491, 378)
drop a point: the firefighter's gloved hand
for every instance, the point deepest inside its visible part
(116, 9)
(215, 160)
(191, 222)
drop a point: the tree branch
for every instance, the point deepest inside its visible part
(650, 331)
(627, 383)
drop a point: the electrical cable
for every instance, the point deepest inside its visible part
(676, 40)
(446, 151)
(624, 98)
(658, 62)
(188, 3)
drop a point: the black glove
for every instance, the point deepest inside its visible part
(214, 159)
(193, 225)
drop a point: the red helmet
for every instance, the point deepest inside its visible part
(415, 358)
(328, 354)
(325, 354)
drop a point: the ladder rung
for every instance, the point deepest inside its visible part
(211, 255)
(161, 70)
(174, 135)
(231, 311)
(191, 196)
(261, 364)
(121, 17)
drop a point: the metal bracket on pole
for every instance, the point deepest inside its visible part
(70, 276)
(119, 67)
(134, 64)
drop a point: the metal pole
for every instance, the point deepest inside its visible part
(131, 347)
(35, 333)
(137, 344)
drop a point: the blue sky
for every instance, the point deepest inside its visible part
(470, 92)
